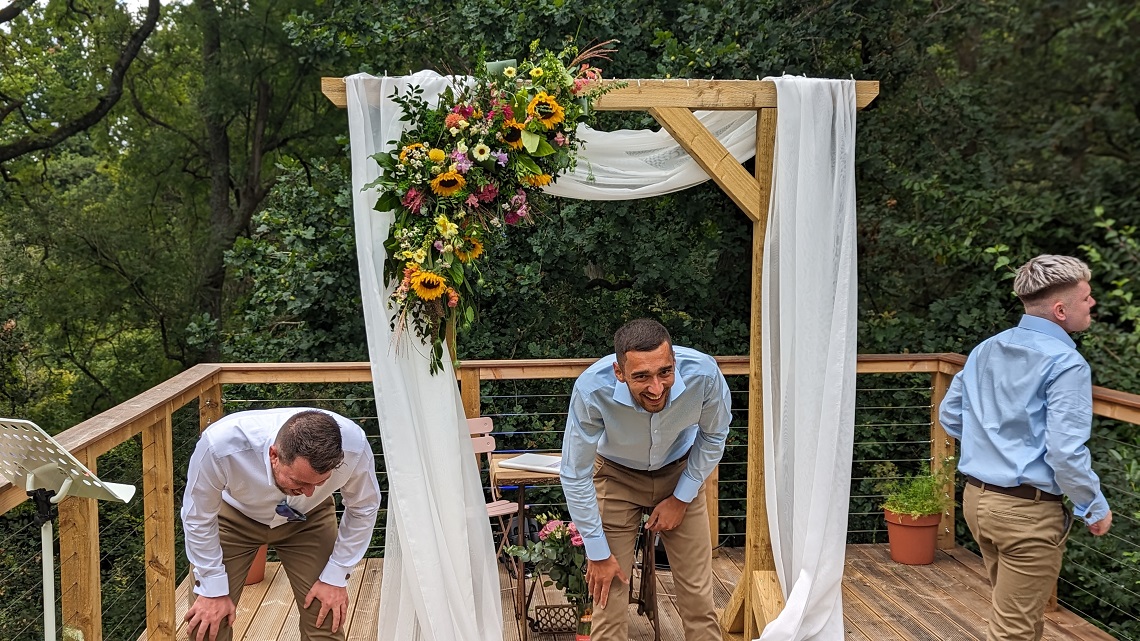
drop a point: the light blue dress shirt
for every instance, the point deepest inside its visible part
(604, 419)
(1022, 408)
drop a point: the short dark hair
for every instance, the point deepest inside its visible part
(314, 436)
(640, 335)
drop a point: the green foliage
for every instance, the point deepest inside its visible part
(918, 495)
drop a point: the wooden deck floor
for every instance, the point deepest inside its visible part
(882, 601)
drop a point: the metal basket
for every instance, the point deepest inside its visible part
(554, 618)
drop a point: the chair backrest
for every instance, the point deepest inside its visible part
(481, 438)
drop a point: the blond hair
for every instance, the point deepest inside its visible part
(1044, 275)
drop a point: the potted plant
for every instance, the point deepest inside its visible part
(560, 554)
(913, 508)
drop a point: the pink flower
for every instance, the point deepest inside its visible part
(576, 540)
(472, 200)
(438, 245)
(548, 528)
(489, 192)
(462, 162)
(413, 200)
(559, 139)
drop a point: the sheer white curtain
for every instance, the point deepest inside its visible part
(809, 334)
(440, 580)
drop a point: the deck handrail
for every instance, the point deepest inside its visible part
(150, 414)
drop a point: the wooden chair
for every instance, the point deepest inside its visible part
(497, 508)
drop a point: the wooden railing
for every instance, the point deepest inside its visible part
(150, 414)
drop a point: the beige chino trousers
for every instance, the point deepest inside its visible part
(622, 495)
(1022, 542)
(304, 548)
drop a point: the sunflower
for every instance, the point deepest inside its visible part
(467, 256)
(428, 285)
(541, 180)
(437, 155)
(447, 183)
(409, 149)
(546, 109)
(512, 133)
(536, 73)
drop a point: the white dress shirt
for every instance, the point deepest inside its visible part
(231, 464)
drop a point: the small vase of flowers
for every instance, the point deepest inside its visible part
(560, 555)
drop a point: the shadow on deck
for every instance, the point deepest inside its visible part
(882, 601)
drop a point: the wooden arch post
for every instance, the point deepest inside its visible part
(758, 597)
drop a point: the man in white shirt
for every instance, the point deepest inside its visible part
(267, 477)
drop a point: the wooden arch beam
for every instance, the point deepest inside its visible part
(758, 598)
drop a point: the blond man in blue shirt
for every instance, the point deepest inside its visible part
(1022, 409)
(646, 427)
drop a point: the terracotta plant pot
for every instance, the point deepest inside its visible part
(257, 570)
(912, 540)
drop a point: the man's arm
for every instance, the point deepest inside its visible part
(1068, 426)
(579, 448)
(361, 498)
(201, 503)
(950, 411)
(712, 433)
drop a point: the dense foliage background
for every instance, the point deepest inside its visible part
(174, 188)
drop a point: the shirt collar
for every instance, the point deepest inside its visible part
(1047, 327)
(622, 395)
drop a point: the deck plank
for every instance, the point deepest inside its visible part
(947, 600)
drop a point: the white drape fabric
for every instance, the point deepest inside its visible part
(440, 577)
(809, 347)
(441, 580)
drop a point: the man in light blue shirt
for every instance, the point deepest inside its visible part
(646, 427)
(1022, 409)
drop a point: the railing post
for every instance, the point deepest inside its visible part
(210, 407)
(469, 391)
(79, 561)
(941, 448)
(158, 504)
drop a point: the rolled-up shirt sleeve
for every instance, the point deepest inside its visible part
(1068, 428)
(584, 430)
(361, 497)
(200, 506)
(712, 432)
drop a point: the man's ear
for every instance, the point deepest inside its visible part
(1058, 309)
(618, 373)
(273, 456)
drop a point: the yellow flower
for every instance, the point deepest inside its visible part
(481, 152)
(447, 183)
(409, 149)
(467, 256)
(428, 285)
(446, 228)
(437, 155)
(512, 133)
(546, 109)
(536, 73)
(510, 72)
(540, 180)
(419, 256)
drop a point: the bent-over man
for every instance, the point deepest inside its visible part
(646, 427)
(267, 477)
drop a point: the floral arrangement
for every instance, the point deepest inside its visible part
(470, 167)
(559, 554)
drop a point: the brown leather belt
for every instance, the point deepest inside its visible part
(1021, 491)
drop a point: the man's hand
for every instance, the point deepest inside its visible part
(333, 599)
(207, 614)
(1101, 527)
(667, 515)
(599, 576)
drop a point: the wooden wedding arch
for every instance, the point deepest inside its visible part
(757, 598)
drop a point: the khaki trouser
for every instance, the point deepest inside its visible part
(304, 548)
(1022, 542)
(622, 494)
